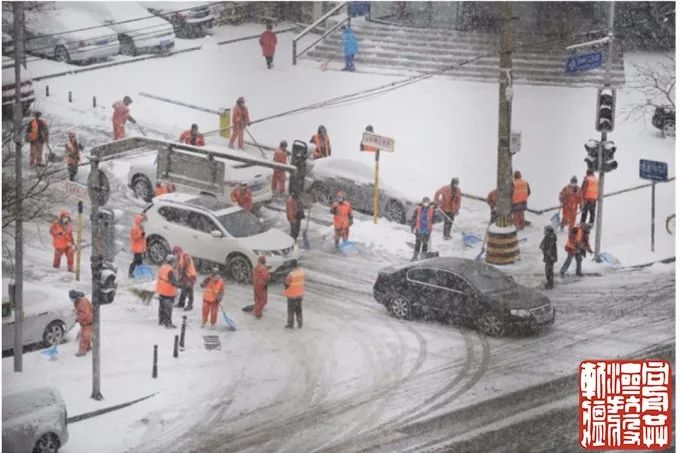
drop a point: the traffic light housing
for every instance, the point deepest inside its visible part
(296, 182)
(592, 149)
(608, 162)
(606, 109)
(107, 283)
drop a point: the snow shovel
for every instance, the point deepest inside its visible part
(469, 239)
(143, 273)
(305, 238)
(140, 128)
(555, 221)
(324, 65)
(348, 248)
(52, 352)
(256, 144)
(609, 259)
(230, 322)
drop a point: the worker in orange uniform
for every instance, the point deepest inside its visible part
(137, 243)
(37, 135)
(192, 136)
(186, 275)
(589, 190)
(213, 291)
(73, 149)
(492, 201)
(62, 240)
(570, 199)
(322, 143)
(83, 309)
(162, 188)
(268, 43)
(121, 114)
(342, 218)
(421, 226)
(243, 197)
(448, 199)
(240, 119)
(166, 287)
(294, 213)
(577, 245)
(261, 278)
(520, 195)
(294, 290)
(279, 176)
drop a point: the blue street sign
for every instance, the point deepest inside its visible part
(583, 62)
(653, 170)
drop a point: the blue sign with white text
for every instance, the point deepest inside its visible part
(653, 170)
(583, 62)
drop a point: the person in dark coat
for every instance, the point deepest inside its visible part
(549, 248)
(421, 226)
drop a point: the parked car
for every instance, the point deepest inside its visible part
(326, 177)
(33, 421)
(190, 19)
(211, 230)
(664, 119)
(458, 289)
(138, 30)
(61, 31)
(46, 318)
(142, 178)
(9, 85)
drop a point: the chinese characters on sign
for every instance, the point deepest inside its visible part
(625, 404)
(377, 141)
(654, 170)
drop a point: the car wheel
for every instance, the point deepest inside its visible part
(240, 268)
(320, 193)
(400, 307)
(141, 186)
(491, 324)
(54, 333)
(395, 212)
(61, 54)
(127, 46)
(158, 249)
(668, 129)
(48, 443)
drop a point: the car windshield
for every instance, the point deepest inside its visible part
(488, 280)
(242, 224)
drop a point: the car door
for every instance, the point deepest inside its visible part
(201, 242)
(428, 288)
(460, 294)
(173, 227)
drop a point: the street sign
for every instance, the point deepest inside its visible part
(377, 141)
(190, 169)
(653, 170)
(583, 62)
(77, 190)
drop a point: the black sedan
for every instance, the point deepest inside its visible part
(462, 290)
(664, 119)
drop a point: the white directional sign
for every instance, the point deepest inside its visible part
(377, 141)
(77, 190)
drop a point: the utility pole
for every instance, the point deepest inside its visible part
(502, 246)
(607, 83)
(18, 223)
(96, 260)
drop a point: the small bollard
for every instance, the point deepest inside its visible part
(70, 99)
(184, 329)
(175, 350)
(47, 91)
(94, 101)
(154, 370)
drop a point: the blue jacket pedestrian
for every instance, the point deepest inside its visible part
(350, 47)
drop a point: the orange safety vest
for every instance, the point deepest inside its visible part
(188, 139)
(590, 191)
(573, 241)
(214, 289)
(137, 241)
(34, 134)
(520, 194)
(296, 284)
(163, 285)
(430, 213)
(186, 264)
(62, 235)
(84, 311)
(342, 212)
(72, 153)
(323, 147)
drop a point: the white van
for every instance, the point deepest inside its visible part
(9, 84)
(34, 420)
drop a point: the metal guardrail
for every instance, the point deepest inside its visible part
(314, 25)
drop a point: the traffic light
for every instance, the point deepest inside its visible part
(592, 149)
(608, 162)
(296, 182)
(107, 283)
(606, 104)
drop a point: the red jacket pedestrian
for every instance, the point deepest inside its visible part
(279, 176)
(62, 240)
(121, 114)
(83, 309)
(268, 43)
(240, 119)
(261, 278)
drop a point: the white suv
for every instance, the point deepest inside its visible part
(212, 231)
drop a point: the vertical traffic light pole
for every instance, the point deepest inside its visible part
(96, 266)
(607, 83)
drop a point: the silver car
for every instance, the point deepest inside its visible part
(34, 420)
(61, 31)
(45, 320)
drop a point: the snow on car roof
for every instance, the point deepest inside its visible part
(62, 17)
(208, 203)
(38, 299)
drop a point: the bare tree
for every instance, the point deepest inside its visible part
(655, 85)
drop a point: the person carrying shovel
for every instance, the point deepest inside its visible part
(448, 199)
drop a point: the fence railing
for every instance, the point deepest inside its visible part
(321, 20)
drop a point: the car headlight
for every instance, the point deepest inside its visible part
(520, 313)
(263, 252)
